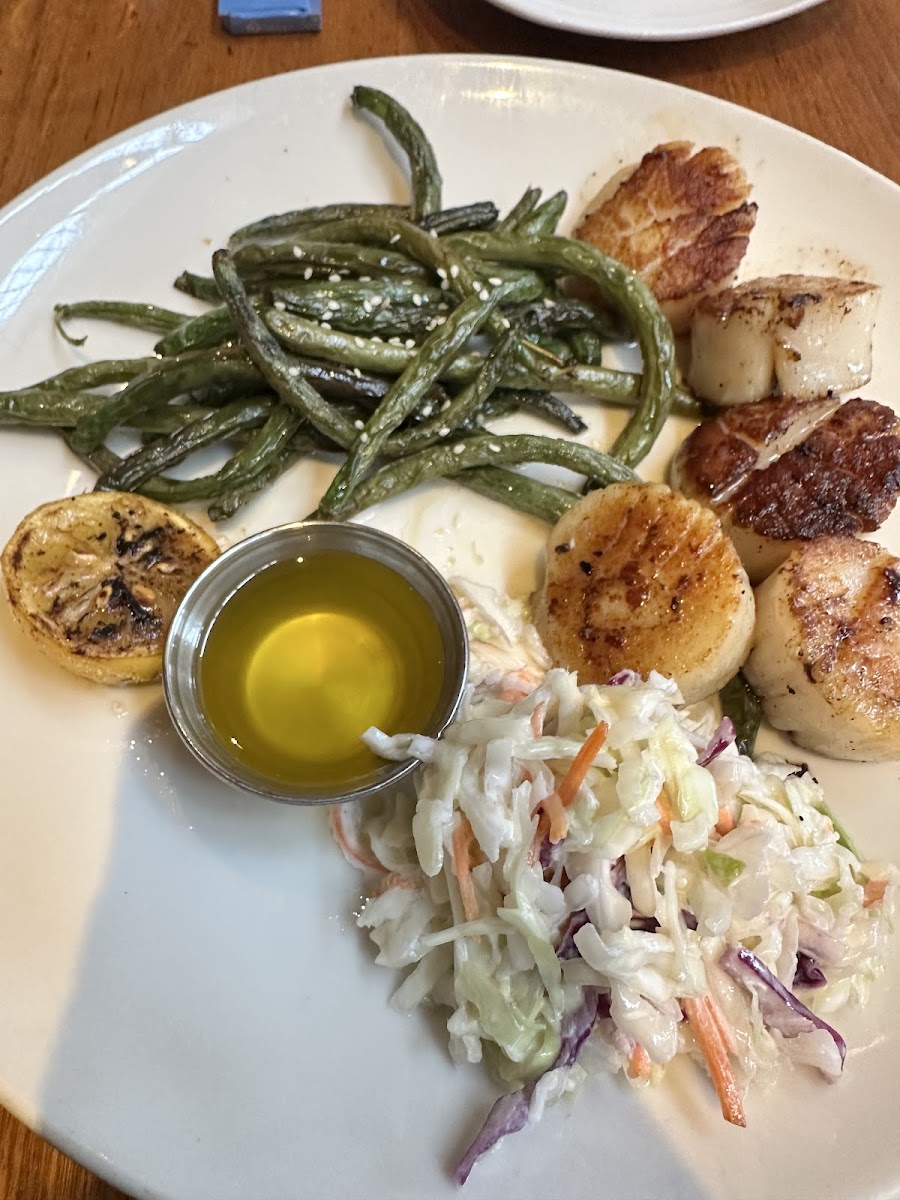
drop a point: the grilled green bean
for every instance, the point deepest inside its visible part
(172, 449)
(285, 224)
(201, 287)
(217, 375)
(377, 292)
(344, 382)
(463, 407)
(262, 449)
(256, 261)
(441, 256)
(741, 704)
(546, 404)
(280, 371)
(368, 354)
(556, 349)
(545, 218)
(426, 178)
(520, 211)
(331, 283)
(120, 312)
(53, 409)
(239, 493)
(167, 420)
(564, 315)
(628, 292)
(264, 446)
(352, 316)
(480, 215)
(435, 356)
(484, 451)
(587, 346)
(519, 491)
(309, 338)
(198, 333)
(100, 459)
(95, 374)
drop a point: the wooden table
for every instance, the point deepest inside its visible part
(73, 73)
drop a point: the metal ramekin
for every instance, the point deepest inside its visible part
(208, 595)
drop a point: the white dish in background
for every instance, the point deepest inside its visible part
(185, 1004)
(654, 20)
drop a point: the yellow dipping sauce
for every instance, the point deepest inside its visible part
(308, 654)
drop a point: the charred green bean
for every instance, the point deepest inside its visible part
(120, 312)
(169, 450)
(484, 451)
(425, 176)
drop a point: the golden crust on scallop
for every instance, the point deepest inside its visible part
(638, 577)
(826, 651)
(682, 220)
(780, 472)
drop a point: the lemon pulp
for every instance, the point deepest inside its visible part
(308, 654)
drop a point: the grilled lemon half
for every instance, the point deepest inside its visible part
(95, 579)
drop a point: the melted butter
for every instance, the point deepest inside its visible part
(307, 655)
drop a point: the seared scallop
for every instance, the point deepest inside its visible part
(640, 577)
(826, 651)
(682, 220)
(781, 472)
(802, 335)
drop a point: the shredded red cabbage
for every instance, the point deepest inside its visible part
(689, 919)
(625, 677)
(643, 924)
(567, 947)
(779, 1008)
(619, 877)
(546, 854)
(577, 1027)
(510, 1113)
(808, 974)
(722, 738)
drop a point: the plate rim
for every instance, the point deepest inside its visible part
(691, 33)
(93, 1159)
(72, 166)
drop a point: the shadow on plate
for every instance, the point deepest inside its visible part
(227, 1034)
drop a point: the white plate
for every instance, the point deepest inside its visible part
(655, 20)
(185, 1003)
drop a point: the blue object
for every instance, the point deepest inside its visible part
(271, 16)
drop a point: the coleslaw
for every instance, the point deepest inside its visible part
(601, 862)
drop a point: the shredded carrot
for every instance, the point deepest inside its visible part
(567, 788)
(725, 822)
(516, 686)
(873, 892)
(461, 843)
(543, 828)
(357, 855)
(724, 1029)
(638, 1063)
(396, 880)
(537, 719)
(665, 809)
(559, 820)
(705, 1029)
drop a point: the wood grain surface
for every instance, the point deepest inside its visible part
(73, 72)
